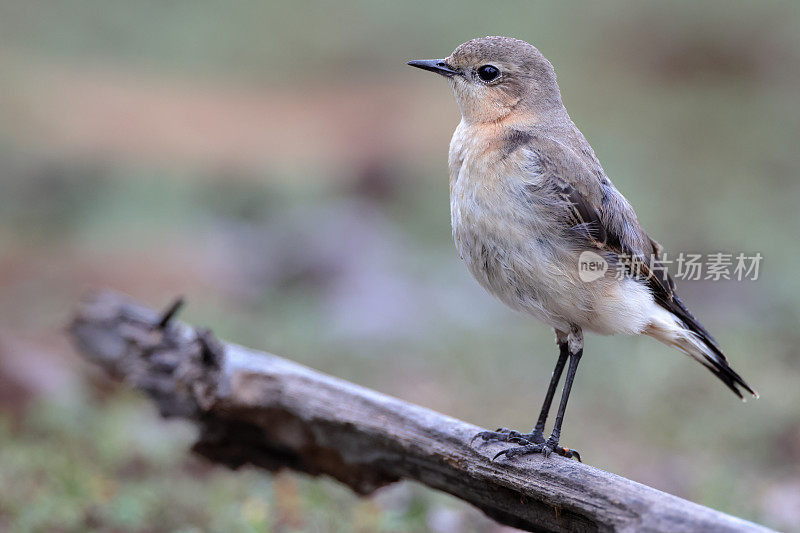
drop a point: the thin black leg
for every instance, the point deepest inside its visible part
(574, 359)
(551, 445)
(537, 435)
(563, 353)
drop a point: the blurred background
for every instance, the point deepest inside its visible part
(281, 166)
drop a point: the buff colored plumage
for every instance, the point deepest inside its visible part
(528, 198)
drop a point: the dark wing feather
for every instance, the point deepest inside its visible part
(585, 217)
(603, 219)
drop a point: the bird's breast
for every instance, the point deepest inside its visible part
(506, 230)
(497, 229)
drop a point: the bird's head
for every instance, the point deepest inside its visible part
(497, 77)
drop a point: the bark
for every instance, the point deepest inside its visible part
(256, 408)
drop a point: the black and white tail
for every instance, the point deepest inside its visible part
(675, 326)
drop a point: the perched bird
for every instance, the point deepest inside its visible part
(542, 228)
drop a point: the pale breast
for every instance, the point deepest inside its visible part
(501, 232)
(511, 230)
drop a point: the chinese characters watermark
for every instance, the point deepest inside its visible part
(685, 266)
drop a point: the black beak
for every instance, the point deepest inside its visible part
(439, 66)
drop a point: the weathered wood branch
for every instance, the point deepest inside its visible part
(256, 408)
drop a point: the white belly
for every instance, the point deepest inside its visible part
(527, 265)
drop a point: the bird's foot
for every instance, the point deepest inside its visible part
(508, 435)
(545, 448)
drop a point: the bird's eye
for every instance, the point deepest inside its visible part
(488, 72)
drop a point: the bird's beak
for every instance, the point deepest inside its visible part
(439, 66)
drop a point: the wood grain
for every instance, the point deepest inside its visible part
(256, 408)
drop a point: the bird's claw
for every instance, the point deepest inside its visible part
(533, 442)
(510, 453)
(500, 434)
(572, 453)
(545, 448)
(508, 435)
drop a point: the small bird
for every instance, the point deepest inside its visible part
(543, 229)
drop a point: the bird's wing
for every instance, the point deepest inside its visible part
(600, 218)
(599, 227)
(616, 231)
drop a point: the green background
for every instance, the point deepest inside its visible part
(280, 166)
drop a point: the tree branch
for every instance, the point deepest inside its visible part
(256, 408)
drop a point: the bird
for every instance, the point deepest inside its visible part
(542, 228)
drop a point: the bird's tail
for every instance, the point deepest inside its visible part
(679, 329)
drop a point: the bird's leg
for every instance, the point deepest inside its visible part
(575, 345)
(537, 435)
(563, 353)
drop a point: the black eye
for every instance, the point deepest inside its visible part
(488, 72)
